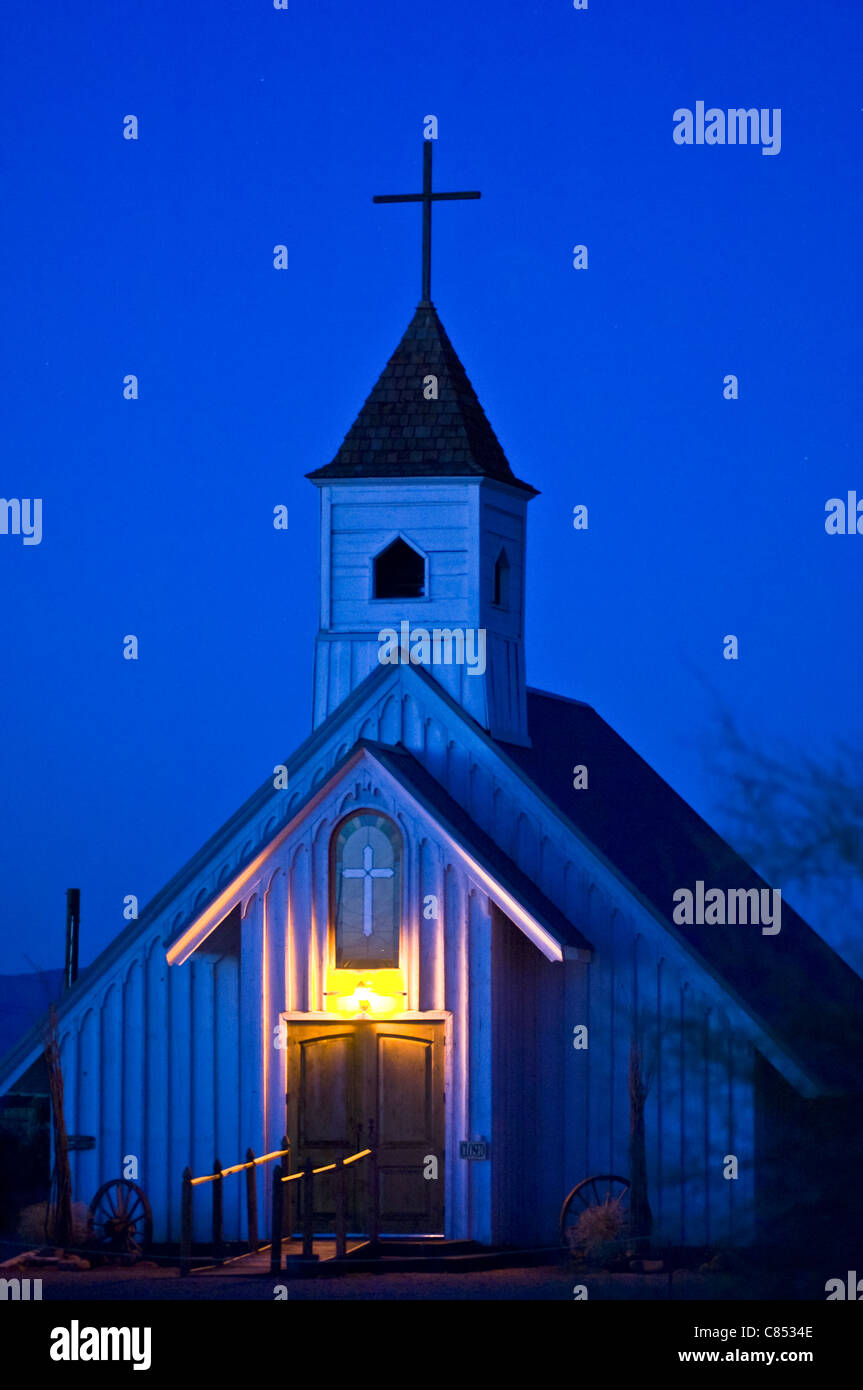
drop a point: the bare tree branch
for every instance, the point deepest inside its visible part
(797, 816)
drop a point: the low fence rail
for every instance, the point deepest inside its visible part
(302, 1185)
(217, 1178)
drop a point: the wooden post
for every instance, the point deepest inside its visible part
(186, 1223)
(276, 1222)
(374, 1194)
(61, 1224)
(252, 1201)
(341, 1210)
(288, 1189)
(218, 1250)
(374, 1197)
(307, 1185)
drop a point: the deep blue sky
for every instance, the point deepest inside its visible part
(155, 257)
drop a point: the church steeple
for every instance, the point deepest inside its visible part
(423, 531)
(423, 418)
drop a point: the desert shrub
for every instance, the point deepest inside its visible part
(31, 1224)
(599, 1225)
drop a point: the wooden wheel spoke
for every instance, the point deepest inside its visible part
(598, 1190)
(120, 1214)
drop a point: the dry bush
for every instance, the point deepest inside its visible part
(31, 1224)
(598, 1225)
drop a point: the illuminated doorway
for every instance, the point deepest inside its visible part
(349, 1082)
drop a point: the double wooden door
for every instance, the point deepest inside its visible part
(349, 1083)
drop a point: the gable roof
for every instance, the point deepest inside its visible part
(486, 853)
(397, 761)
(640, 828)
(799, 988)
(399, 433)
(516, 894)
(544, 923)
(23, 1000)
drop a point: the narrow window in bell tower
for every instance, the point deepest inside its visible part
(399, 572)
(500, 596)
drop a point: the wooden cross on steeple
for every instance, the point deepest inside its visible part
(426, 198)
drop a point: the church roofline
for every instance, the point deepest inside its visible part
(809, 1079)
(453, 819)
(19, 1057)
(321, 479)
(508, 885)
(700, 851)
(422, 417)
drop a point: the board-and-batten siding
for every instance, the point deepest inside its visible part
(459, 527)
(214, 1016)
(142, 1054)
(139, 1076)
(528, 1086)
(362, 521)
(700, 1103)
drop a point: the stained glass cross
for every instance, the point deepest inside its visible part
(368, 873)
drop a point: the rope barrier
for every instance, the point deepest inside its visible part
(239, 1167)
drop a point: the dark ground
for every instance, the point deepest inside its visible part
(545, 1283)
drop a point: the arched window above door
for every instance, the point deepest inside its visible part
(365, 892)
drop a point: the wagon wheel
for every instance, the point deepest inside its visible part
(121, 1219)
(604, 1189)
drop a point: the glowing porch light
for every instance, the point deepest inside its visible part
(362, 997)
(363, 994)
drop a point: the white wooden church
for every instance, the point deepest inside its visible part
(428, 930)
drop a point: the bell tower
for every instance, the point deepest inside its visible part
(423, 528)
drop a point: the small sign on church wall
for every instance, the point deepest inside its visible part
(473, 1148)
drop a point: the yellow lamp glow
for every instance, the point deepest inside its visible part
(364, 994)
(361, 997)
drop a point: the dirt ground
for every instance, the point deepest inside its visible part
(544, 1283)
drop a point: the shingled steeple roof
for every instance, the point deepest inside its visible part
(400, 434)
